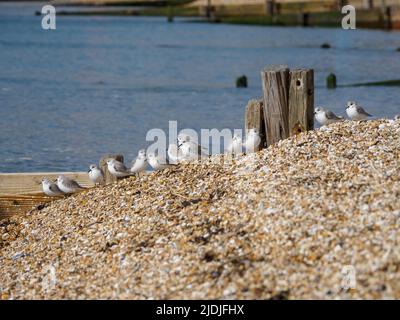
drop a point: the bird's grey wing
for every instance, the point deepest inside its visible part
(362, 111)
(72, 184)
(54, 188)
(331, 116)
(120, 167)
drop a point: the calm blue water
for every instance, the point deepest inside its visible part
(98, 84)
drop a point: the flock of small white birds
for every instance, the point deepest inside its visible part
(184, 150)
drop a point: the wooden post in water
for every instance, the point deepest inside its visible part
(254, 119)
(301, 101)
(387, 18)
(275, 83)
(103, 165)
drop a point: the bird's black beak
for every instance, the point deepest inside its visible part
(89, 170)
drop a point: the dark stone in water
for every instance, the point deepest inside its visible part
(241, 82)
(325, 46)
(331, 81)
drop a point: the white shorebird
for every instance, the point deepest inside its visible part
(397, 117)
(118, 169)
(235, 146)
(356, 112)
(253, 140)
(158, 162)
(96, 175)
(190, 149)
(68, 185)
(325, 117)
(140, 163)
(174, 153)
(50, 188)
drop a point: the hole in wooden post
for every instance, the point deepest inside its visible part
(298, 82)
(298, 128)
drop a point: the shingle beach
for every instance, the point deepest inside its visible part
(282, 223)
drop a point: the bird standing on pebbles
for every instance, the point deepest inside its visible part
(118, 169)
(190, 149)
(356, 112)
(325, 117)
(157, 162)
(50, 188)
(96, 175)
(253, 140)
(174, 153)
(68, 185)
(235, 147)
(140, 163)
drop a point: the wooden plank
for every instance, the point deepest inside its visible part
(254, 118)
(30, 183)
(301, 101)
(103, 165)
(275, 83)
(18, 204)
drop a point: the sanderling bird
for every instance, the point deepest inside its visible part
(118, 169)
(190, 149)
(325, 117)
(253, 140)
(356, 112)
(68, 185)
(174, 153)
(235, 146)
(140, 163)
(50, 188)
(397, 117)
(96, 175)
(158, 162)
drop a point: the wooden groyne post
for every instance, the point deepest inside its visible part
(103, 166)
(287, 107)
(254, 119)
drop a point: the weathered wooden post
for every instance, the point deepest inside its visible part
(301, 101)
(254, 119)
(387, 13)
(270, 7)
(275, 83)
(103, 165)
(288, 105)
